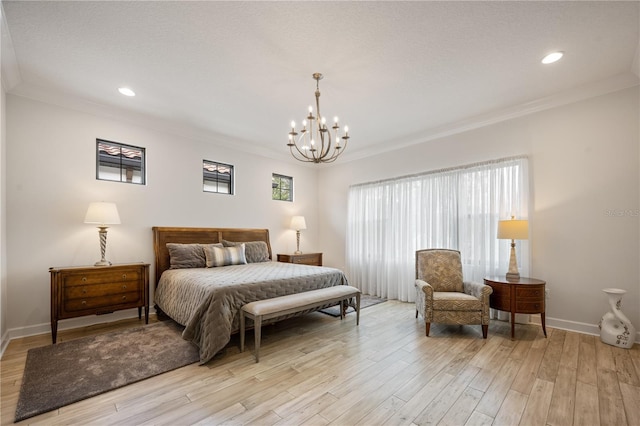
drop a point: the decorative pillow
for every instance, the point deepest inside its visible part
(188, 255)
(255, 251)
(216, 256)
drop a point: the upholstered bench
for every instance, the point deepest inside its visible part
(262, 310)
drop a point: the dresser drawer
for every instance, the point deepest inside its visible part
(501, 303)
(534, 293)
(101, 276)
(96, 290)
(306, 260)
(529, 307)
(109, 302)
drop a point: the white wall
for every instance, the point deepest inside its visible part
(3, 222)
(585, 171)
(50, 179)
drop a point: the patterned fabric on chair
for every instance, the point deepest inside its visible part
(443, 297)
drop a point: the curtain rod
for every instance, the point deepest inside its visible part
(445, 170)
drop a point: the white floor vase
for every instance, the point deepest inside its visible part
(615, 327)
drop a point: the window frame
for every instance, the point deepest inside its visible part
(232, 180)
(279, 186)
(143, 162)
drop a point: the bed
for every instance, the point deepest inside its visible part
(206, 300)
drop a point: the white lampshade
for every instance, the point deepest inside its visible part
(513, 229)
(298, 223)
(102, 214)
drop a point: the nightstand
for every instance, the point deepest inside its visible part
(314, 259)
(97, 290)
(525, 296)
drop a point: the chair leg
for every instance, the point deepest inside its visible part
(427, 327)
(485, 329)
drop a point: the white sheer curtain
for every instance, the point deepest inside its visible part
(454, 208)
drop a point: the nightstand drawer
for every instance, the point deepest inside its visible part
(314, 259)
(101, 276)
(84, 291)
(534, 293)
(529, 307)
(108, 302)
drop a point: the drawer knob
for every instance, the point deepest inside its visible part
(124, 276)
(84, 302)
(124, 297)
(124, 286)
(84, 291)
(84, 279)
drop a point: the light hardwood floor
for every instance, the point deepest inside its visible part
(317, 370)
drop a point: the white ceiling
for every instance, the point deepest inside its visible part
(238, 72)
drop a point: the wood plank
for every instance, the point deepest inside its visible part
(570, 349)
(511, 410)
(631, 399)
(493, 397)
(587, 361)
(610, 399)
(551, 360)
(586, 411)
(564, 397)
(537, 408)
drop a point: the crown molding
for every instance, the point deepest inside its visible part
(587, 91)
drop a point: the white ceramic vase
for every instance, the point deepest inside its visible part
(615, 327)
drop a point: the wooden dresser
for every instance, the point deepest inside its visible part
(97, 290)
(314, 259)
(525, 296)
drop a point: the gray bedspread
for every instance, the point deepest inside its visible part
(207, 300)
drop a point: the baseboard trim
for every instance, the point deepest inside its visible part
(578, 327)
(68, 324)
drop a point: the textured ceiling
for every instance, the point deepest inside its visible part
(238, 72)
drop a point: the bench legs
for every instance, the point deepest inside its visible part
(257, 321)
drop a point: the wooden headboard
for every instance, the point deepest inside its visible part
(164, 235)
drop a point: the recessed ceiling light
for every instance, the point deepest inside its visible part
(126, 91)
(552, 57)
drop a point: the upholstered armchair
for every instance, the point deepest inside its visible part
(442, 297)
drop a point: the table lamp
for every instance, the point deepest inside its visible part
(298, 223)
(513, 230)
(102, 214)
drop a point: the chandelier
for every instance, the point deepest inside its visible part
(315, 144)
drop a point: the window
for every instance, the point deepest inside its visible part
(457, 208)
(281, 187)
(217, 177)
(119, 162)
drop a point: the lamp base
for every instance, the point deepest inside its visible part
(297, 252)
(513, 276)
(102, 263)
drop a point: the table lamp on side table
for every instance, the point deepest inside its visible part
(513, 230)
(102, 214)
(298, 223)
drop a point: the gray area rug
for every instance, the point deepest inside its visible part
(365, 302)
(58, 375)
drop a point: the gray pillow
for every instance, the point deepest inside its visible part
(188, 255)
(254, 251)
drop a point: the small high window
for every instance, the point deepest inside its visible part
(281, 187)
(217, 177)
(119, 162)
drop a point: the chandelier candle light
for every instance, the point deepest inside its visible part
(513, 230)
(102, 214)
(315, 143)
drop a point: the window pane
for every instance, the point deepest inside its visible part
(281, 187)
(119, 162)
(217, 177)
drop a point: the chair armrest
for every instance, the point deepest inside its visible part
(481, 291)
(425, 287)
